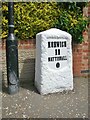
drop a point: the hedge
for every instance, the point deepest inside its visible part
(71, 20)
(33, 17)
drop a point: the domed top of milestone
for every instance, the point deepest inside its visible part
(54, 32)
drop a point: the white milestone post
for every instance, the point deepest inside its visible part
(53, 66)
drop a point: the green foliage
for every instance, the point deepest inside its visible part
(33, 17)
(71, 20)
(4, 20)
(73, 5)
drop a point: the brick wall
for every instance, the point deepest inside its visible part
(81, 55)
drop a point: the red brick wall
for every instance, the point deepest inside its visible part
(81, 54)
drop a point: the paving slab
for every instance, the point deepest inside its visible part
(28, 103)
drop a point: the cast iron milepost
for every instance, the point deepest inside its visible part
(12, 53)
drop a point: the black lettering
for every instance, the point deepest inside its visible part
(57, 65)
(58, 51)
(60, 58)
(55, 58)
(65, 44)
(49, 59)
(62, 44)
(55, 51)
(51, 44)
(52, 58)
(48, 44)
(55, 44)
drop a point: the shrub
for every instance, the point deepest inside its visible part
(4, 20)
(31, 18)
(71, 20)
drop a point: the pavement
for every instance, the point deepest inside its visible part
(28, 103)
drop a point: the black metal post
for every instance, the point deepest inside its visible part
(12, 53)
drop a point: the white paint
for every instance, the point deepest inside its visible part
(49, 78)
